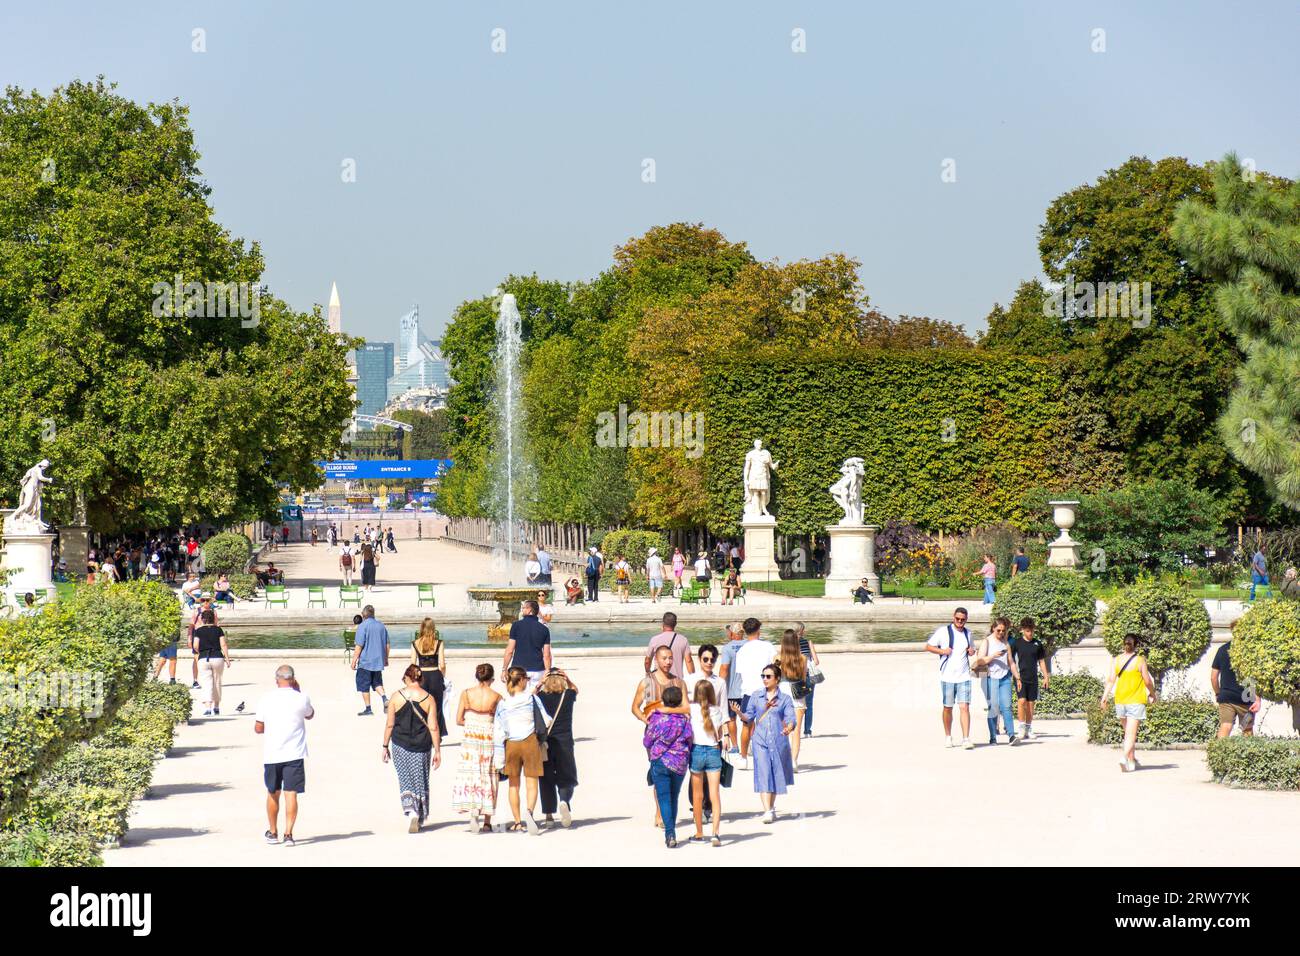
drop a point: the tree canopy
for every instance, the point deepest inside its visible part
(155, 415)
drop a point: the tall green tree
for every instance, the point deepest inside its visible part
(154, 418)
(1249, 243)
(1164, 378)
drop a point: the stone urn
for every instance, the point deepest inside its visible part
(1064, 551)
(508, 601)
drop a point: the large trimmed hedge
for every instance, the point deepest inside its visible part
(1265, 649)
(111, 632)
(1181, 719)
(82, 802)
(1172, 623)
(1069, 694)
(228, 551)
(951, 439)
(1060, 602)
(1255, 763)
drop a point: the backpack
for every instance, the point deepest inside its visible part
(951, 640)
(347, 560)
(593, 565)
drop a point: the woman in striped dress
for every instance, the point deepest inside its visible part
(475, 788)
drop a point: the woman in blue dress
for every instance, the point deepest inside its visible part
(772, 714)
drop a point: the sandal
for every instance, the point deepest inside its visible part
(516, 828)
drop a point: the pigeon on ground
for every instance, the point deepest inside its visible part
(240, 708)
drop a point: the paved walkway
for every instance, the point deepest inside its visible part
(878, 788)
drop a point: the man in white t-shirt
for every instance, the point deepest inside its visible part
(750, 661)
(952, 642)
(281, 719)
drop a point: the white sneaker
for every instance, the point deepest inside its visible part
(474, 823)
(1029, 732)
(947, 742)
(566, 818)
(795, 766)
(744, 763)
(966, 744)
(769, 816)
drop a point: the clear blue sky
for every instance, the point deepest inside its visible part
(472, 165)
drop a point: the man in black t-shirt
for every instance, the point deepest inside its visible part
(1030, 659)
(1234, 707)
(529, 646)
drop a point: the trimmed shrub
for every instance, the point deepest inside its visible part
(634, 546)
(228, 551)
(38, 847)
(244, 585)
(1265, 649)
(1255, 763)
(1060, 602)
(108, 633)
(1172, 623)
(1071, 693)
(1182, 719)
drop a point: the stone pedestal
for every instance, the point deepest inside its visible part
(1064, 551)
(853, 557)
(27, 558)
(74, 547)
(760, 549)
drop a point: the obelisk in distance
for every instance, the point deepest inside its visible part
(335, 310)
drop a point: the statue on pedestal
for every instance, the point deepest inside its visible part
(847, 492)
(757, 484)
(27, 516)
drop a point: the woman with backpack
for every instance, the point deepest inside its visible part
(794, 674)
(413, 744)
(345, 563)
(1133, 687)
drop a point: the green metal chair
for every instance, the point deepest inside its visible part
(42, 595)
(276, 594)
(316, 597)
(350, 595)
(426, 594)
(691, 595)
(349, 641)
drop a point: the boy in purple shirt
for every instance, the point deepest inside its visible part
(667, 742)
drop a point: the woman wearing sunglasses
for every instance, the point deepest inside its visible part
(772, 715)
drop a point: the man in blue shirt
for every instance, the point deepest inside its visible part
(370, 657)
(529, 646)
(1020, 563)
(544, 561)
(1259, 573)
(727, 671)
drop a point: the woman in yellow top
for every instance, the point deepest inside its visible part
(1133, 686)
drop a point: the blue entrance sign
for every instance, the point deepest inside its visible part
(416, 468)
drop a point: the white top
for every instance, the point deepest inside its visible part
(702, 567)
(532, 568)
(284, 712)
(750, 661)
(997, 669)
(702, 737)
(719, 689)
(514, 716)
(955, 668)
(654, 566)
(545, 611)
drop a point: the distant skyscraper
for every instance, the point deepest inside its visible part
(408, 342)
(374, 369)
(335, 310)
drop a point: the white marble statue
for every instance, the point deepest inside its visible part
(758, 488)
(847, 492)
(27, 516)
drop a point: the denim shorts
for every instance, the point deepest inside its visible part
(1131, 710)
(957, 692)
(369, 680)
(705, 757)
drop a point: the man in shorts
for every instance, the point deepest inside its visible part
(1029, 659)
(952, 642)
(281, 720)
(369, 658)
(1234, 708)
(727, 671)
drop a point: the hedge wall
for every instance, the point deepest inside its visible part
(1171, 720)
(1255, 763)
(951, 439)
(111, 632)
